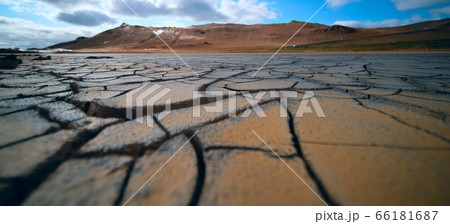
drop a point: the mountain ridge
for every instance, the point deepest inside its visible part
(215, 37)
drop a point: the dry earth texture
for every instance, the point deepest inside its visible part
(385, 140)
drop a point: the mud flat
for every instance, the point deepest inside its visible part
(385, 138)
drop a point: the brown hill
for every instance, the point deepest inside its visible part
(249, 38)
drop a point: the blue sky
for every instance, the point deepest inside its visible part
(40, 23)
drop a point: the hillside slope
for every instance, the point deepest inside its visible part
(238, 37)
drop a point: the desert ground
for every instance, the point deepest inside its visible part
(66, 138)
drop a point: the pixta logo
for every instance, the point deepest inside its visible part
(254, 102)
(144, 102)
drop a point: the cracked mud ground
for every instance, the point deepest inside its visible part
(385, 140)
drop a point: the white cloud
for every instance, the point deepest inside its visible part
(240, 11)
(339, 3)
(384, 23)
(246, 11)
(194, 10)
(235, 11)
(404, 5)
(69, 3)
(19, 5)
(85, 18)
(438, 13)
(17, 32)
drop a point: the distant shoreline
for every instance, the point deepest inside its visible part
(184, 52)
(285, 50)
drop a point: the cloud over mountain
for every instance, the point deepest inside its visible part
(197, 10)
(85, 18)
(31, 34)
(416, 4)
(241, 11)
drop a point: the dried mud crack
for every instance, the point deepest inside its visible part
(67, 138)
(322, 191)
